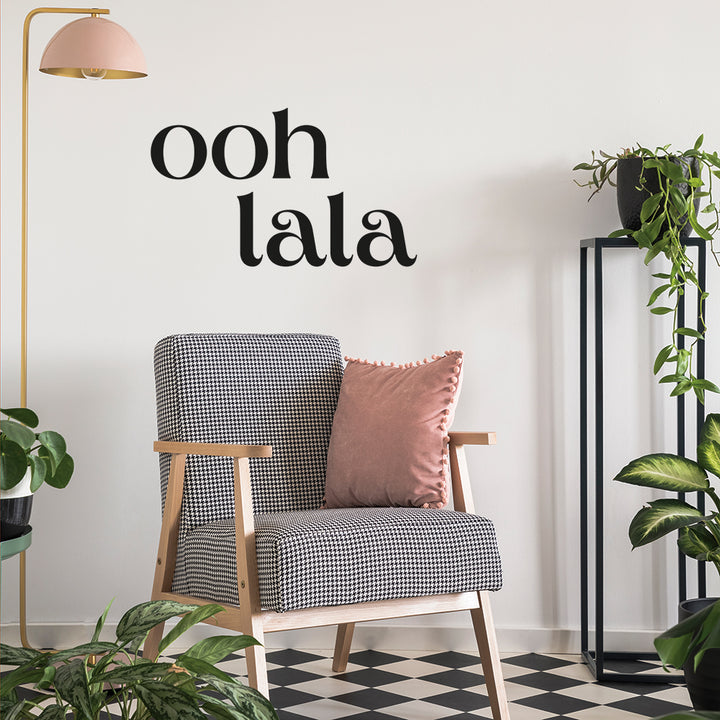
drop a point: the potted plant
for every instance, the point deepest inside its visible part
(86, 680)
(659, 193)
(27, 460)
(694, 643)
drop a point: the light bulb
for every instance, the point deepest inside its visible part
(94, 73)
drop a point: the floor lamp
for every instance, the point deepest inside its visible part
(93, 48)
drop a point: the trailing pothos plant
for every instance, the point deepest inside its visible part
(44, 453)
(667, 216)
(698, 536)
(86, 680)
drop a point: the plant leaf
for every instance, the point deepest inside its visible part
(650, 206)
(19, 433)
(199, 614)
(101, 622)
(140, 619)
(39, 471)
(167, 702)
(71, 685)
(13, 463)
(130, 674)
(91, 648)
(245, 699)
(656, 293)
(660, 518)
(665, 472)
(54, 443)
(661, 310)
(673, 646)
(711, 428)
(23, 415)
(661, 358)
(708, 456)
(217, 648)
(10, 655)
(52, 712)
(63, 472)
(696, 541)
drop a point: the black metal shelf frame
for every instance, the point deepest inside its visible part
(597, 660)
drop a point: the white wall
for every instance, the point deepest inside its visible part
(464, 119)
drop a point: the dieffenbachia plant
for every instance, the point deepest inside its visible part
(698, 531)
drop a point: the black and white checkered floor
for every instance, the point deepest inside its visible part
(449, 685)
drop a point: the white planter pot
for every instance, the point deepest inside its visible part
(22, 489)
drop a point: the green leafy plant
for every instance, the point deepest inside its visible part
(45, 453)
(86, 679)
(698, 531)
(667, 215)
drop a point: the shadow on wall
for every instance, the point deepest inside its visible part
(522, 259)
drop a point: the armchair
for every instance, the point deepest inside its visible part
(244, 425)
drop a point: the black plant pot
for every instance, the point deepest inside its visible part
(703, 684)
(14, 516)
(630, 199)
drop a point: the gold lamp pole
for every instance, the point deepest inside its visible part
(94, 48)
(91, 48)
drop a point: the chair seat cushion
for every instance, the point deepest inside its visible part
(316, 558)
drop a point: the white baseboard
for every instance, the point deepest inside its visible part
(377, 636)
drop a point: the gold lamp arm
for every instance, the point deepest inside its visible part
(24, 191)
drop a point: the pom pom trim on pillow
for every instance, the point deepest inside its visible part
(347, 486)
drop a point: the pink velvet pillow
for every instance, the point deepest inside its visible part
(389, 441)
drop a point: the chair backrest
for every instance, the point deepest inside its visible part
(278, 390)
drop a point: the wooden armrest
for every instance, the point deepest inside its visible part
(215, 449)
(473, 438)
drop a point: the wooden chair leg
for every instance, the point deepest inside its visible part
(490, 657)
(343, 640)
(152, 641)
(255, 657)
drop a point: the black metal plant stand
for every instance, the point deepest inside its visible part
(599, 661)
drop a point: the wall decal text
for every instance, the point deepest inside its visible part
(291, 224)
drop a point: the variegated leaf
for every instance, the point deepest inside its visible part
(52, 712)
(91, 648)
(708, 455)
(71, 685)
(142, 618)
(696, 542)
(217, 648)
(246, 699)
(166, 702)
(660, 518)
(137, 672)
(197, 615)
(711, 429)
(10, 655)
(665, 472)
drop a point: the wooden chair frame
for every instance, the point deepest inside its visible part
(250, 619)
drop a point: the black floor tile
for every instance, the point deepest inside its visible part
(555, 703)
(534, 661)
(460, 679)
(451, 659)
(371, 677)
(373, 658)
(371, 699)
(546, 681)
(460, 700)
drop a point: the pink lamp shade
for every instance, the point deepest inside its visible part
(93, 47)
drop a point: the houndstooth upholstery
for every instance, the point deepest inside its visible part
(315, 558)
(282, 390)
(278, 390)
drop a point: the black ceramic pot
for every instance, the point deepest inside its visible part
(630, 200)
(703, 684)
(14, 516)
